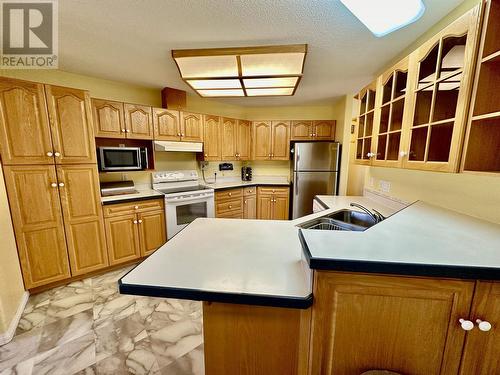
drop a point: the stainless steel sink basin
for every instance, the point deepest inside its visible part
(349, 220)
(353, 217)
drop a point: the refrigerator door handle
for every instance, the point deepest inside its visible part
(296, 182)
(297, 157)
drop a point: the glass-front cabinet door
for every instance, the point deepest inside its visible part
(391, 115)
(364, 144)
(441, 74)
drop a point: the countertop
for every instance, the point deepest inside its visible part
(264, 262)
(228, 260)
(421, 239)
(142, 194)
(234, 182)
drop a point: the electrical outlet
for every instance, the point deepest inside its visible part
(384, 186)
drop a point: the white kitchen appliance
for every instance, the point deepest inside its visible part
(185, 199)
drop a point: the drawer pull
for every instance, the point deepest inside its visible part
(229, 194)
(230, 206)
(136, 207)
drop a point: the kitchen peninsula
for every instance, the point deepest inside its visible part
(270, 303)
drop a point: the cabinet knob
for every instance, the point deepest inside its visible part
(182, 134)
(178, 134)
(136, 207)
(128, 130)
(245, 202)
(229, 194)
(53, 184)
(272, 155)
(310, 135)
(61, 184)
(140, 221)
(135, 221)
(206, 155)
(314, 134)
(403, 154)
(269, 155)
(123, 130)
(57, 154)
(466, 325)
(483, 325)
(230, 206)
(50, 153)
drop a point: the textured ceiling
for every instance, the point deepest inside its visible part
(131, 40)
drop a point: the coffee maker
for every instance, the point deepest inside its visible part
(246, 173)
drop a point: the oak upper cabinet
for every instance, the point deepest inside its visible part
(212, 146)
(442, 79)
(24, 129)
(244, 140)
(280, 134)
(318, 130)
(406, 325)
(228, 144)
(122, 238)
(191, 127)
(108, 116)
(38, 224)
(366, 119)
(301, 131)
(82, 212)
(273, 203)
(482, 138)
(261, 140)
(71, 125)
(152, 231)
(390, 114)
(480, 356)
(138, 121)
(166, 125)
(271, 140)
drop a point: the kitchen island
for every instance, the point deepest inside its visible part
(264, 314)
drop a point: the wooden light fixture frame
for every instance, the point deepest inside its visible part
(237, 52)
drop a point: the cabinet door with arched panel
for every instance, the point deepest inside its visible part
(364, 145)
(441, 70)
(392, 116)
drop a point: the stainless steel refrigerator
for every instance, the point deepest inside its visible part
(315, 172)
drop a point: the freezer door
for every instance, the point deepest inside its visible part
(306, 185)
(316, 156)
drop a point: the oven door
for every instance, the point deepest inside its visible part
(182, 211)
(120, 159)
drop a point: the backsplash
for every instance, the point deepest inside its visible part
(165, 161)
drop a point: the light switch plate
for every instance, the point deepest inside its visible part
(384, 186)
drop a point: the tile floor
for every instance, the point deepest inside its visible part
(87, 327)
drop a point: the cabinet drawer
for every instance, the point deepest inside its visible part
(229, 205)
(133, 207)
(228, 194)
(231, 215)
(273, 190)
(247, 191)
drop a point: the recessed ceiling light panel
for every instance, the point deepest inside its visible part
(382, 17)
(242, 71)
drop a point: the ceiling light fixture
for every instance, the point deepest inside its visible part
(242, 71)
(382, 17)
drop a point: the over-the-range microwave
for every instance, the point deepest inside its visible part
(114, 159)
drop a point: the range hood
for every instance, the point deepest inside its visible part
(178, 146)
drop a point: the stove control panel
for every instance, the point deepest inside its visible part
(173, 176)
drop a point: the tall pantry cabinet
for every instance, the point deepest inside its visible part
(49, 161)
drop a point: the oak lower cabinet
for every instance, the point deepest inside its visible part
(250, 202)
(83, 222)
(38, 224)
(134, 229)
(273, 203)
(229, 204)
(402, 324)
(482, 348)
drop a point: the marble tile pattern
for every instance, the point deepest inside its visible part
(87, 327)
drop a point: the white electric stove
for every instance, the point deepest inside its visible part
(185, 199)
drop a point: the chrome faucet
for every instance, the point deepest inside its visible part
(375, 215)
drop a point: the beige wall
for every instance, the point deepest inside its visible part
(472, 194)
(11, 282)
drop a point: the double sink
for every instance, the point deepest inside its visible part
(349, 220)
